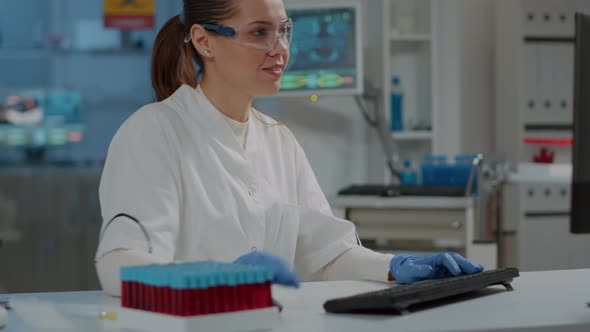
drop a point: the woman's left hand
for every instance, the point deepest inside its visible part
(282, 275)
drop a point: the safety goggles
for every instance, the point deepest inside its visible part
(261, 35)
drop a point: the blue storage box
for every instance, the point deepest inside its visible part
(454, 175)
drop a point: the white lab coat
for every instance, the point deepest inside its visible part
(177, 167)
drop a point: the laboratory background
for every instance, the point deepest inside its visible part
(432, 125)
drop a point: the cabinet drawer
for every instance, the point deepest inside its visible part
(433, 218)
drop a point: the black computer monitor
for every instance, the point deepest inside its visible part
(580, 203)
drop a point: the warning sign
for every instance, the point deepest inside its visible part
(129, 14)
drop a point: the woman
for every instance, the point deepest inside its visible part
(201, 175)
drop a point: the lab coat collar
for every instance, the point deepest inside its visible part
(196, 102)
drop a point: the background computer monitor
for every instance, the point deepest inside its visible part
(580, 204)
(326, 52)
(35, 120)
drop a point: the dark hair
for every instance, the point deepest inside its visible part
(172, 58)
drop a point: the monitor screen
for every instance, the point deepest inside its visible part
(40, 118)
(326, 51)
(580, 204)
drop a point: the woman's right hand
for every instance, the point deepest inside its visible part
(407, 269)
(282, 275)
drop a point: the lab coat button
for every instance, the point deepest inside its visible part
(254, 249)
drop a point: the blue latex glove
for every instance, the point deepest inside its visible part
(282, 275)
(407, 269)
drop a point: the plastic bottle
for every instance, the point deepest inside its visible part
(409, 174)
(396, 104)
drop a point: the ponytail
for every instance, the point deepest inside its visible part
(172, 60)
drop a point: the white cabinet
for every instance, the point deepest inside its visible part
(536, 227)
(534, 77)
(534, 116)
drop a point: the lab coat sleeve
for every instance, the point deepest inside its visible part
(109, 265)
(358, 263)
(322, 237)
(141, 179)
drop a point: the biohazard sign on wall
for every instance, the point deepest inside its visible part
(129, 14)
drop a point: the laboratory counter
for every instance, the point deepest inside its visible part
(541, 301)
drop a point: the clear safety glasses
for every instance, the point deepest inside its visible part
(261, 35)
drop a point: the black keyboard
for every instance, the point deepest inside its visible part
(394, 190)
(400, 299)
(432, 191)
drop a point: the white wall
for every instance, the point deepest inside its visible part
(447, 94)
(464, 122)
(477, 75)
(508, 55)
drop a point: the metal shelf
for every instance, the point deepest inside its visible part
(417, 135)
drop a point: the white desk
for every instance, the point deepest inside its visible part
(449, 221)
(541, 301)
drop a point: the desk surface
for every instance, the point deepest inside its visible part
(541, 301)
(405, 202)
